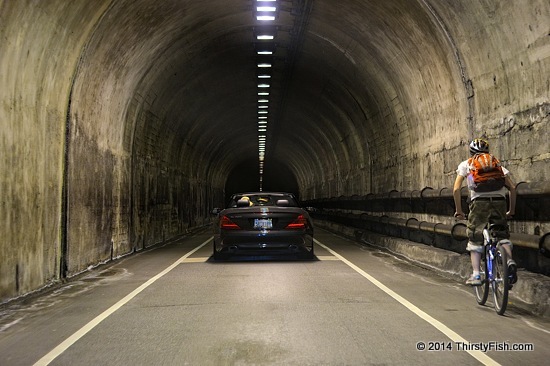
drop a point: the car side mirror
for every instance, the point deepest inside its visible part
(216, 211)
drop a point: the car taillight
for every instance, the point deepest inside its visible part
(227, 224)
(299, 223)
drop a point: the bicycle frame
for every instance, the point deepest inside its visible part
(494, 269)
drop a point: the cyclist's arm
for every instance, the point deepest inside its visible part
(457, 197)
(509, 183)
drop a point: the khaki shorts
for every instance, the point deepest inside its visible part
(482, 212)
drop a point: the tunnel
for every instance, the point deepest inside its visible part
(125, 122)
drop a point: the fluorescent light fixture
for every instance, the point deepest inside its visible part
(263, 94)
(266, 8)
(262, 117)
(262, 112)
(263, 106)
(264, 64)
(264, 76)
(265, 52)
(265, 37)
(263, 85)
(262, 122)
(265, 17)
(263, 100)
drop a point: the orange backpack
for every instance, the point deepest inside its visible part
(486, 174)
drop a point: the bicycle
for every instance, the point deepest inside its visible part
(494, 268)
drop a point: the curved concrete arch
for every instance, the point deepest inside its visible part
(122, 121)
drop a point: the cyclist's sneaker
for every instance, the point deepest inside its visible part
(474, 280)
(512, 271)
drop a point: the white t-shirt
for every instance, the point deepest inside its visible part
(463, 171)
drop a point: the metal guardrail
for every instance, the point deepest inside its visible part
(524, 189)
(528, 191)
(456, 231)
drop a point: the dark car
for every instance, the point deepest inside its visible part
(263, 223)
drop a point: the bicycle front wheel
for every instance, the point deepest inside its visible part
(500, 284)
(482, 291)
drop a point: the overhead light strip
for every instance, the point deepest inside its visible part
(266, 13)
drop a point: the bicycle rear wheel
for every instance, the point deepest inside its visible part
(500, 284)
(482, 291)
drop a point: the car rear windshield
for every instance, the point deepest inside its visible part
(264, 200)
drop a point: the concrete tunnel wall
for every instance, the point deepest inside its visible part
(122, 120)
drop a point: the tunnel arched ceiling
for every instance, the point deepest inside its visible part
(345, 80)
(125, 121)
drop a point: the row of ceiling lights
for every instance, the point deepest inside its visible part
(266, 11)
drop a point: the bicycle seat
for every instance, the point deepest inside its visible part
(498, 227)
(499, 231)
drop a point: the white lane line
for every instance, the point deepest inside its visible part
(455, 337)
(63, 346)
(327, 258)
(195, 260)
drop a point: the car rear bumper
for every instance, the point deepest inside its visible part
(258, 243)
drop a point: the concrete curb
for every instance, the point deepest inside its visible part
(531, 293)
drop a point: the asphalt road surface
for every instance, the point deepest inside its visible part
(353, 305)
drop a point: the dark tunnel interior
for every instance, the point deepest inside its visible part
(125, 122)
(244, 178)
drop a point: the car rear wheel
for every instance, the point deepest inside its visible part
(309, 254)
(217, 255)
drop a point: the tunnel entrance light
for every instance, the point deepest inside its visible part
(267, 9)
(265, 37)
(265, 12)
(265, 17)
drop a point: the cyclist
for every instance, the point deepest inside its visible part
(484, 206)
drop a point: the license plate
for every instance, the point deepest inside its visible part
(263, 224)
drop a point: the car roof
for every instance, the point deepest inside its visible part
(263, 193)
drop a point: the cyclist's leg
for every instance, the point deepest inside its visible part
(498, 216)
(477, 218)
